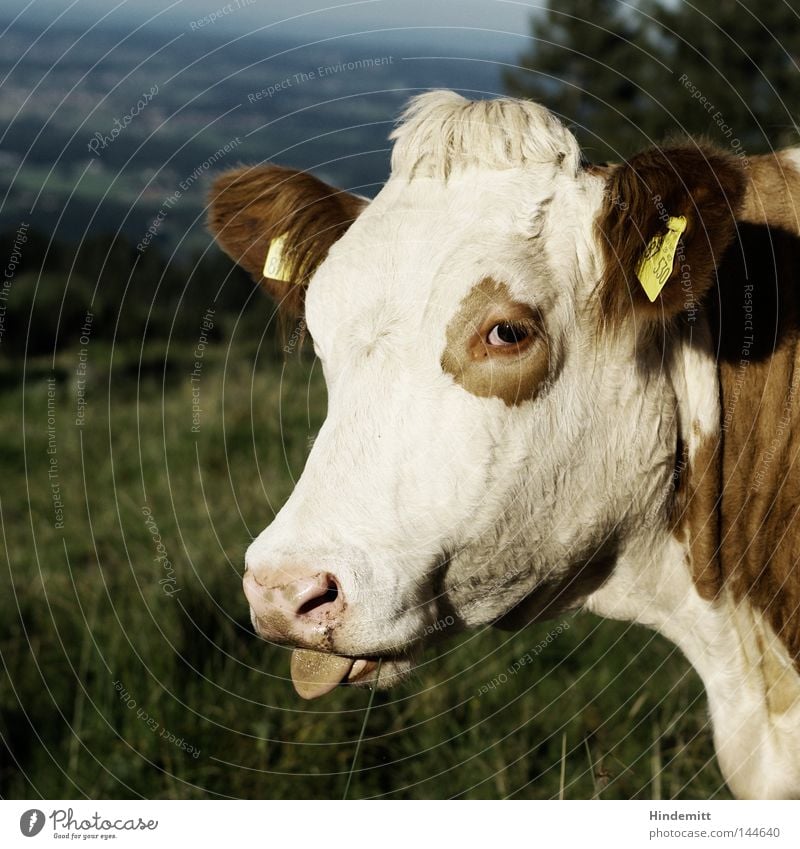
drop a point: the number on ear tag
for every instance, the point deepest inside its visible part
(276, 265)
(655, 266)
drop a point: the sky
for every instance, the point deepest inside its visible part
(286, 17)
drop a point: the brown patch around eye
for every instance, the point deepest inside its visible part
(513, 372)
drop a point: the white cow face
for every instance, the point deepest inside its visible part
(472, 458)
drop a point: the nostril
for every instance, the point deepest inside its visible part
(328, 595)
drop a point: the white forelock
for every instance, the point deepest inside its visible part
(441, 132)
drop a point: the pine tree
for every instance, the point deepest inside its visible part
(745, 59)
(626, 76)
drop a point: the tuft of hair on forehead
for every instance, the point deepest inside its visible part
(441, 132)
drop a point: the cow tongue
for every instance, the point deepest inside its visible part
(315, 673)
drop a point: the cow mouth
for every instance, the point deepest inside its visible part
(315, 674)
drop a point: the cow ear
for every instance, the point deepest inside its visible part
(667, 217)
(279, 224)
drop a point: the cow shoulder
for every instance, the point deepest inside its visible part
(773, 194)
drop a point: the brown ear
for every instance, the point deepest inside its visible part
(696, 181)
(251, 206)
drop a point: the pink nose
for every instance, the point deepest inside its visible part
(302, 611)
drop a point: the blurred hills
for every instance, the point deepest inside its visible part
(157, 106)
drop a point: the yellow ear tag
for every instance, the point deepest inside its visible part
(275, 265)
(655, 266)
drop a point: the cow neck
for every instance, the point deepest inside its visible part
(756, 326)
(680, 579)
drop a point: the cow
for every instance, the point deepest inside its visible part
(552, 386)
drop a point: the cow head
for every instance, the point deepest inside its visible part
(490, 366)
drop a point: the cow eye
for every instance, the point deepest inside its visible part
(506, 333)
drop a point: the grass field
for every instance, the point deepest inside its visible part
(127, 676)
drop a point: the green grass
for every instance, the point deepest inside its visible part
(607, 710)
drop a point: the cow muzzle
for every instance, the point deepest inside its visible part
(304, 610)
(300, 609)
